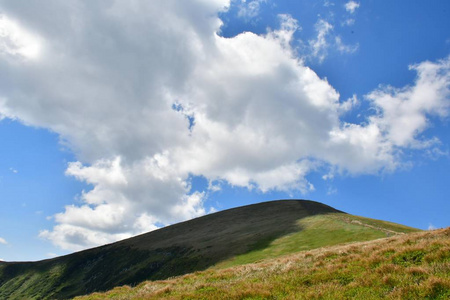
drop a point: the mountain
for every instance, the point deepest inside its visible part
(231, 237)
(409, 266)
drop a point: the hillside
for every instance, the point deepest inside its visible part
(227, 238)
(411, 266)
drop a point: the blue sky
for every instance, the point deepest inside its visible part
(121, 117)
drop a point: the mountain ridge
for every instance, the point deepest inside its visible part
(233, 236)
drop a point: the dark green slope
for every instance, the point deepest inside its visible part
(230, 237)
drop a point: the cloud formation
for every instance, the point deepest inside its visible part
(250, 9)
(17, 42)
(319, 46)
(351, 6)
(343, 48)
(148, 94)
(401, 115)
(3, 241)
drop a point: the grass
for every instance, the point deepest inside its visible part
(410, 266)
(319, 231)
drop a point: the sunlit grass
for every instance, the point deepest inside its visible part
(319, 231)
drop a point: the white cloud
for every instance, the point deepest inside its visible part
(349, 104)
(126, 200)
(348, 22)
(402, 115)
(403, 111)
(17, 42)
(320, 45)
(147, 94)
(434, 150)
(431, 227)
(3, 241)
(351, 6)
(250, 9)
(343, 48)
(285, 35)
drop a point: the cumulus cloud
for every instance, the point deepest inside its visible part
(403, 111)
(148, 94)
(3, 241)
(402, 114)
(107, 82)
(127, 199)
(351, 6)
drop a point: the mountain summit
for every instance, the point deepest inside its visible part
(235, 236)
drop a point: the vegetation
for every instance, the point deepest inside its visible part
(412, 266)
(227, 238)
(319, 231)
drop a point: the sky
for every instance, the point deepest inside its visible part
(121, 117)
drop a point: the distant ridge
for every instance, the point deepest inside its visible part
(232, 236)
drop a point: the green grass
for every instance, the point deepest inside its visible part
(411, 266)
(319, 231)
(35, 284)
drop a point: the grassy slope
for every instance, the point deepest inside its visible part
(320, 231)
(411, 266)
(227, 238)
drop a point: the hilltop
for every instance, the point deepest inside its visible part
(227, 238)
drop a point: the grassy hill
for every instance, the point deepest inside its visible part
(227, 238)
(411, 266)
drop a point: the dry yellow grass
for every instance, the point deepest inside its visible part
(412, 266)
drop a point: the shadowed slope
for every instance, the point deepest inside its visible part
(186, 247)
